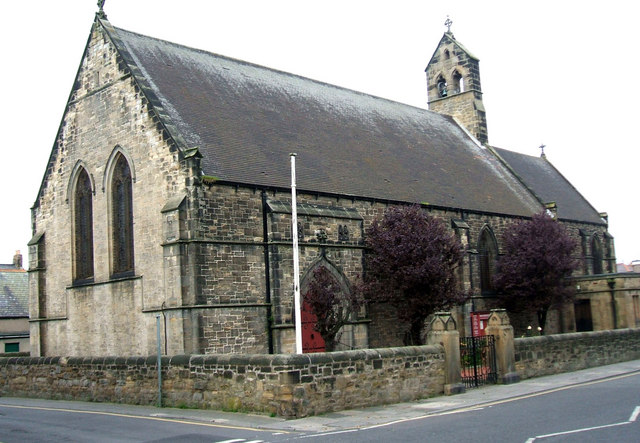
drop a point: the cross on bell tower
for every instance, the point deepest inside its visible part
(542, 146)
(448, 24)
(101, 12)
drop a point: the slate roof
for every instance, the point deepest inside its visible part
(14, 293)
(245, 119)
(551, 186)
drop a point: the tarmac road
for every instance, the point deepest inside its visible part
(595, 404)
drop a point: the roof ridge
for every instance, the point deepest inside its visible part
(274, 70)
(11, 270)
(155, 104)
(543, 160)
(268, 112)
(570, 184)
(494, 151)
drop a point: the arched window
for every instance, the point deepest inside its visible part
(121, 217)
(458, 83)
(487, 256)
(596, 254)
(83, 227)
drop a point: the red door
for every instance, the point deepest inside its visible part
(311, 339)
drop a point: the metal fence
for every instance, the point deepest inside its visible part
(478, 361)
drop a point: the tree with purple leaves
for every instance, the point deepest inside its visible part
(332, 305)
(412, 263)
(533, 272)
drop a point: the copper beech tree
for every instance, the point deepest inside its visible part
(532, 273)
(412, 263)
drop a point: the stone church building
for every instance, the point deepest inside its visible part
(167, 194)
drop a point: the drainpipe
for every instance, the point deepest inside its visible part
(472, 254)
(159, 360)
(267, 271)
(612, 284)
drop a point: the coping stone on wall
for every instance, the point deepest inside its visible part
(180, 360)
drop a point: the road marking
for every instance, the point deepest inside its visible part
(633, 418)
(576, 431)
(143, 417)
(563, 388)
(634, 415)
(346, 431)
(238, 440)
(479, 407)
(435, 414)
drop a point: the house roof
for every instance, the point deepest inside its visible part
(549, 185)
(14, 293)
(245, 119)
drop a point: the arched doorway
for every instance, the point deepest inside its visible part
(312, 340)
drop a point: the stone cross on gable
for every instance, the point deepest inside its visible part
(448, 24)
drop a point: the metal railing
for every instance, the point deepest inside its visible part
(478, 361)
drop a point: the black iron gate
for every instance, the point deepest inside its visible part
(478, 361)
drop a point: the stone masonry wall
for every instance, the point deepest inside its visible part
(287, 385)
(553, 354)
(106, 113)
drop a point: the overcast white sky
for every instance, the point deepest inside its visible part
(562, 73)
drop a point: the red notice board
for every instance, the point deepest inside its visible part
(479, 323)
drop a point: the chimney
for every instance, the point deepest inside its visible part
(17, 260)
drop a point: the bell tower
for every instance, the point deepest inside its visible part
(453, 85)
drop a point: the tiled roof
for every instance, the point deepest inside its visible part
(14, 293)
(550, 186)
(246, 119)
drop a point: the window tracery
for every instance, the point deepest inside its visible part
(487, 256)
(83, 227)
(122, 217)
(596, 254)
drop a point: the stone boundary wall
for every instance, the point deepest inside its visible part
(287, 385)
(554, 354)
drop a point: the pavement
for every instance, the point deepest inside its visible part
(355, 418)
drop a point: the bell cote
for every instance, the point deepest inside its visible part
(453, 85)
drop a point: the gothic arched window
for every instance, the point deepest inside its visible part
(487, 256)
(83, 227)
(596, 254)
(121, 217)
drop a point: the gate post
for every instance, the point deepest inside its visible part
(500, 327)
(442, 331)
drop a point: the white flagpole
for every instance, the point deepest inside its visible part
(296, 264)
